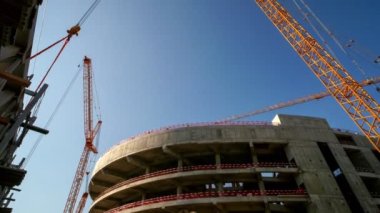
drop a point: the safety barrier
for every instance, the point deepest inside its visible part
(203, 124)
(200, 124)
(200, 168)
(209, 194)
(102, 161)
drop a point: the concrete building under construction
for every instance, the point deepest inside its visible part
(293, 164)
(17, 25)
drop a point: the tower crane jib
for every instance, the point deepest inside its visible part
(351, 96)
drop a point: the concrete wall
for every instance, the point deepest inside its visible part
(298, 134)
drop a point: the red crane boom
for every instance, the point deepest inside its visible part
(90, 134)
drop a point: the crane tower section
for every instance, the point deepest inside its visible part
(90, 134)
(88, 99)
(358, 104)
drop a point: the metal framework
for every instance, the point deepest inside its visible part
(82, 202)
(358, 104)
(10, 140)
(90, 134)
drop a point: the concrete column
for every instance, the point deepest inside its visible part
(217, 160)
(179, 189)
(219, 208)
(255, 160)
(259, 177)
(147, 170)
(137, 162)
(180, 163)
(172, 153)
(143, 196)
(219, 187)
(372, 160)
(260, 181)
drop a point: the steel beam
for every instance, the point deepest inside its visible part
(137, 162)
(172, 153)
(101, 183)
(14, 79)
(219, 207)
(29, 92)
(113, 173)
(35, 128)
(8, 76)
(19, 120)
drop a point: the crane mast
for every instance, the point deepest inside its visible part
(90, 134)
(88, 104)
(351, 96)
(83, 199)
(82, 202)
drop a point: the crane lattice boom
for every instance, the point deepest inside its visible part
(90, 134)
(358, 104)
(77, 182)
(301, 100)
(88, 99)
(82, 202)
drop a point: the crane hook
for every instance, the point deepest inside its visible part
(73, 31)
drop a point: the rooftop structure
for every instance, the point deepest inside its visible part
(294, 164)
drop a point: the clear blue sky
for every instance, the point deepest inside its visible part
(166, 62)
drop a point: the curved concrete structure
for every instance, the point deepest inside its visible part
(234, 167)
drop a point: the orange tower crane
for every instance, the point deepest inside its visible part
(90, 134)
(351, 96)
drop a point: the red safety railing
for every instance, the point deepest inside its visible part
(199, 168)
(209, 194)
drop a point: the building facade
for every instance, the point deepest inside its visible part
(293, 164)
(17, 26)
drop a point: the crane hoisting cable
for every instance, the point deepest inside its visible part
(51, 117)
(74, 30)
(333, 36)
(88, 12)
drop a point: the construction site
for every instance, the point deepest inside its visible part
(239, 167)
(239, 123)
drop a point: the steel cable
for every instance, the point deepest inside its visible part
(51, 118)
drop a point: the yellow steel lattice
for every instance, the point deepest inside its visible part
(359, 105)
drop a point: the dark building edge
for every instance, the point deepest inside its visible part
(17, 26)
